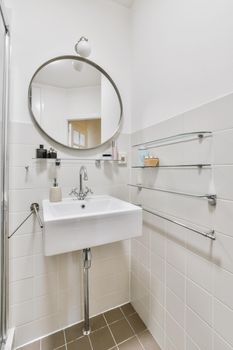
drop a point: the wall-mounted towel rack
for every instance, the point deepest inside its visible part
(175, 138)
(34, 208)
(200, 166)
(212, 198)
(209, 234)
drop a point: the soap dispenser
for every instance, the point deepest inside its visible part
(55, 194)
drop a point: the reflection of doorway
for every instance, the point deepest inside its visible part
(84, 133)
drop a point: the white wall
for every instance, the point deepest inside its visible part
(44, 29)
(181, 282)
(45, 293)
(182, 56)
(53, 107)
(84, 102)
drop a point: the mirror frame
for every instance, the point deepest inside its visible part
(101, 70)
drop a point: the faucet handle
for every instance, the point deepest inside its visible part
(88, 190)
(73, 191)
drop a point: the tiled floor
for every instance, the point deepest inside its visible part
(120, 329)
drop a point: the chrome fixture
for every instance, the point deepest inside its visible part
(81, 193)
(82, 47)
(34, 207)
(86, 267)
(210, 234)
(187, 136)
(212, 198)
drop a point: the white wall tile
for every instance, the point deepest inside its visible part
(199, 301)
(175, 281)
(176, 307)
(175, 333)
(195, 264)
(198, 271)
(220, 344)
(176, 256)
(157, 266)
(223, 320)
(198, 330)
(223, 286)
(21, 291)
(157, 311)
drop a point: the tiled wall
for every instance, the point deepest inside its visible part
(182, 283)
(46, 292)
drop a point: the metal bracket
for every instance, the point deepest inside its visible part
(212, 199)
(34, 208)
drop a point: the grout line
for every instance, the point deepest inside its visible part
(89, 338)
(65, 338)
(135, 332)
(110, 331)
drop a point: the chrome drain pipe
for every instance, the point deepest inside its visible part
(86, 267)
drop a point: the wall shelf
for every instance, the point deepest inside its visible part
(97, 161)
(175, 138)
(205, 165)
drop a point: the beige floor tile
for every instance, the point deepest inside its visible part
(131, 344)
(121, 330)
(97, 322)
(128, 309)
(80, 344)
(136, 323)
(113, 315)
(74, 332)
(102, 339)
(148, 341)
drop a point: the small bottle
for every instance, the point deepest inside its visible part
(52, 153)
(55, 194)
(41, 152)
(114, 151)
(142, 153)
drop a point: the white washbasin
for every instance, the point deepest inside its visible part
(78, 224)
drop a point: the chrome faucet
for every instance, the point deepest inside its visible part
(81, 193)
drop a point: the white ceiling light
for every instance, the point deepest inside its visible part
(82, 47)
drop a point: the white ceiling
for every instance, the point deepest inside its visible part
(64, 75)
(127, 3)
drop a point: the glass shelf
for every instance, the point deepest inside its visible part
(174, 138)
(97, 161)
(172, 166)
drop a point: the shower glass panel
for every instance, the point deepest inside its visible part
(4, 40)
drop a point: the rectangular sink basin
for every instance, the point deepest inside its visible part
(78, 224)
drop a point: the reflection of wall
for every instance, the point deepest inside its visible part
(110, 110)
(54, 106)
(83, 102)
(50, 105)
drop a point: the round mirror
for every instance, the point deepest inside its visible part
(75, 102)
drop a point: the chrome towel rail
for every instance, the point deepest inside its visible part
(34, 207)
(175, 138)
(210, 234)
(200, 166)
(212, 198)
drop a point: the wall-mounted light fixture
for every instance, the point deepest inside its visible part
(82, 47)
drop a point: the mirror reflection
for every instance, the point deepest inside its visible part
(75, 102)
